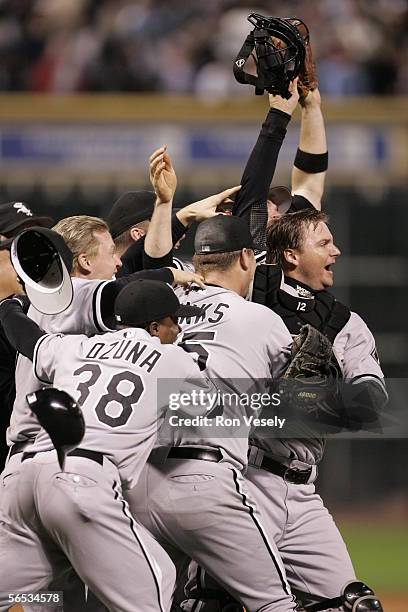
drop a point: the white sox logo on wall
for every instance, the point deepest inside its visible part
(240, 63)
(22, 208)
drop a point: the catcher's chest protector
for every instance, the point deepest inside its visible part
(323, 312)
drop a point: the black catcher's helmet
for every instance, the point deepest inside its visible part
(279, 44)
(60, 416)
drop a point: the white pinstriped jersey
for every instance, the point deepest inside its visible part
(114, 378)
(82, 316)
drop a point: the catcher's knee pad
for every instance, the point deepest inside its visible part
(355, 597)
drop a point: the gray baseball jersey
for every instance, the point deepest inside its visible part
(240, 344)
(82, 317)
(114, 378)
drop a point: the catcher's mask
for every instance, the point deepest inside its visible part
(61, 418)
(43, 263)
(279, 44)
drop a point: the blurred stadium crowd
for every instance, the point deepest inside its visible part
(188, 46)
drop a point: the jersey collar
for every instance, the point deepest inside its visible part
(297, 288)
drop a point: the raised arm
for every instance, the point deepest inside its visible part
(310, 166)
(251, 200)
(158, 241)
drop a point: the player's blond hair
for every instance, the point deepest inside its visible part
(288, 232)
(79, 234)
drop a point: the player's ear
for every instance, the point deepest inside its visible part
(84, 263)
(245, 259)
(154, 328)
(291, 256)
(136, 233)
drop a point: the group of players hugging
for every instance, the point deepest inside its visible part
(101, 498)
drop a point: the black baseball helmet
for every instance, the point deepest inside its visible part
(277, 45)
(60, 416)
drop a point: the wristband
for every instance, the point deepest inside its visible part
(311, 162)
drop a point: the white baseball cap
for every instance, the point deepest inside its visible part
(43, 263)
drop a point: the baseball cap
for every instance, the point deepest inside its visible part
(17, 215)
(222, 234)
(131, 208)
(142, 301)
(43, 262)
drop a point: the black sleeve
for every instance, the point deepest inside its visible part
(250, 201)
(111, 290)
(177, 230)
(132, 259)
(7, 372)
(22, 333)
(299, 203)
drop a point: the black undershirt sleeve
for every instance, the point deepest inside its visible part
(111, 290)
(250, 201)
(132, 259)
(21, 331)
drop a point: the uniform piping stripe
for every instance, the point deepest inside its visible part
(126, 512)
(260, 257)
(246, 503)
(35, 357)
(96, 308)
(177, 263)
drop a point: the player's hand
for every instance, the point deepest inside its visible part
(185, 278)
(205, 209)
(162, 174)
(286, 106)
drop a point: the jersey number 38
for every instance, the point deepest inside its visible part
(113, 394)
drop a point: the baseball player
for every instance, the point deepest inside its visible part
(196, 500)
(283, 470)
(81, 512)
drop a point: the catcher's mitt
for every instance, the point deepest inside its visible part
(309, 390)
(308, 73)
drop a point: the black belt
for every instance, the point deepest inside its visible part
(187, 452)
(18, 447)
(288, 474)
(78, 452)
